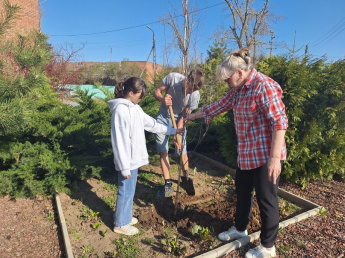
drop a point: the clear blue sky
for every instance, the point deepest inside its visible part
(318, 23)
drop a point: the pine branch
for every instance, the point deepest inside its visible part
(8, 16)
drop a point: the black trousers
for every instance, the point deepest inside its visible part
(266, 195)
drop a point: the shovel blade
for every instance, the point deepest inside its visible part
(187, 184)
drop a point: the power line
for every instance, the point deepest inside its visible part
(122, 42)
(330, 39)
(331, 32)
(132, 27)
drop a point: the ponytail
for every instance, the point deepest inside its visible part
(133, 84)
(119, 90)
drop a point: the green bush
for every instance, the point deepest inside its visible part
(314, 94)
(39, 169)
(46, 145)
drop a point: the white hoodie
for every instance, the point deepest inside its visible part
(128, 122)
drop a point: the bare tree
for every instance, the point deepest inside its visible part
(248, 24)
(61, 70)
(182, 32)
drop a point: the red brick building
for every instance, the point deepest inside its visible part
(28, 17)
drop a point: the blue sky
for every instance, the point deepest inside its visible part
(117, 29)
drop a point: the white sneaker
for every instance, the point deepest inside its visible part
(261, 251)
(126, 230)
(232, 234)
(134, 221)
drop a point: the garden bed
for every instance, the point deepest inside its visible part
(191, 231)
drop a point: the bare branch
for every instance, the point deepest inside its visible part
(247, 23)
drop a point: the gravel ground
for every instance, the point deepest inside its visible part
(29, 227)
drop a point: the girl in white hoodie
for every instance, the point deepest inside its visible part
(128, 122)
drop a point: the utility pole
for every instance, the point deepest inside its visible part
(271, 42)
(111, 52)
(153, 49)
(306, 51)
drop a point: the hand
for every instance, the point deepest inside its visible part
(180, 131)
(274, 169)
(128, 176)
(167, 101)
(190, 117)
(175, 141)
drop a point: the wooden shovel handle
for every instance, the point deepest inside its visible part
(173, 120)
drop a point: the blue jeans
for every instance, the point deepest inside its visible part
(125, 195)
(162, 140)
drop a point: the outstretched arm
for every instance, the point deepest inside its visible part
(196, 115)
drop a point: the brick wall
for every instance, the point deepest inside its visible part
(28, 17)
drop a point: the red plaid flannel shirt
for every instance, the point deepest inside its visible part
(258, 111)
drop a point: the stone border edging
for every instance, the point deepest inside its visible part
(66, 240)
(227, 248)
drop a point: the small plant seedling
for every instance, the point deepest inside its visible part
(50, 217)
(96, 225)
(322, 211)
(194, 171)
(126, 247)
(172, 246)
(74, 232)
(228, 179)
(205, 234)
(220, 185)
(104, 232)
(196, 229)
(87, 249)
(94, 214)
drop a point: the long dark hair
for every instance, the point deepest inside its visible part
(197, 78)
(134, 84)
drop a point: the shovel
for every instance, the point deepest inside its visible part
(186, 183)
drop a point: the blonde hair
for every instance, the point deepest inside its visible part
(240, 59)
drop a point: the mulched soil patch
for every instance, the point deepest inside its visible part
(319, 236)
(29, 228)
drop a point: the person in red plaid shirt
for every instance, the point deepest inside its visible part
(260, 122)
